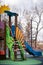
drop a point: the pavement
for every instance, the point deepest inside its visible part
(36, 58)
(31, 60)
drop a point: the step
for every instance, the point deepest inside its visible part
(19, 56)
(18, 50)
(19, 59)
(15, 44)
(16, 41)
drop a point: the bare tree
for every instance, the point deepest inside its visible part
(27, 15)
(38, 13)
(28, 31)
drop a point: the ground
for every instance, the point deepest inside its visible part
(28, 61)
(25, 62)
(31, 60)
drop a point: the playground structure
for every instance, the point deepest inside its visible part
(2, 39)
(20, 40)
(16, 41)
(18, 45)
(3, 33)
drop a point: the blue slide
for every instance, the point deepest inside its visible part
(30, 50)
(13, 30)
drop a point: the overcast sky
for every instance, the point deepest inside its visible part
(27, 4)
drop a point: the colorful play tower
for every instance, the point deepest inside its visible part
(15, 43)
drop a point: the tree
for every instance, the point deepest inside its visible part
(28, 31)
(27, 15)
(38, 13)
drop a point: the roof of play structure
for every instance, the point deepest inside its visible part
(6, 10)
(9, 13)
(3, 8)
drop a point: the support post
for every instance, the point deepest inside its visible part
(10, 31)
(15, 24)
(10, 21)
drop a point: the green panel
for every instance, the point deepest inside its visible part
(9, 41)
(21, 50)
(12, 55)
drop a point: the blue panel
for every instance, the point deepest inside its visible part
(13, 30)
(31, 50)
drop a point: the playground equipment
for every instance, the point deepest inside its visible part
(20, 39)
(27, 47)
(15, 42)
(2, 39)
(30, 50)
(3, 33)
(17, 45)
(3, 8)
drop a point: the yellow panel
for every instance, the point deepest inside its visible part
(16, 32)
(22, 37)
(0, 10)
(22, 40)
(19, 36)
(3, 8)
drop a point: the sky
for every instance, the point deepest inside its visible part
(27, 4)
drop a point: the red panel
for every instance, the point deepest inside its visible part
(2, 52)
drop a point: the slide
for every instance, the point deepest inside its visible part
(30, 50)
